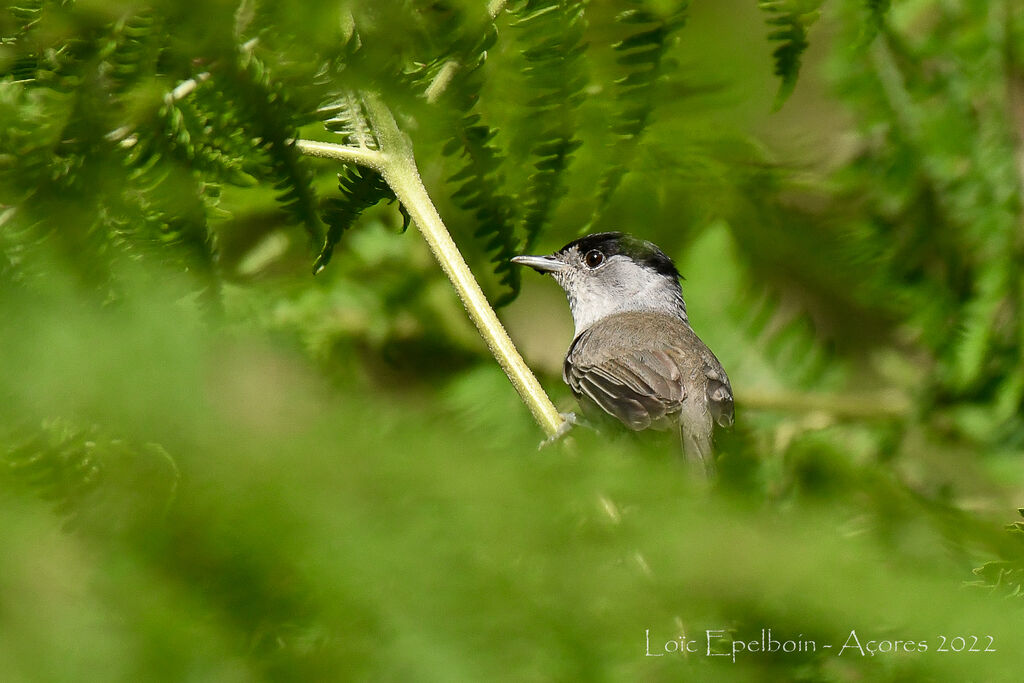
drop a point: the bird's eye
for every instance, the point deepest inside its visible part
(594, 258)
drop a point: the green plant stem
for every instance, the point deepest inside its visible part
(495, 7)
(880, 405)
(362, 156)
(442, 80)
(448, 70)
(396, 163)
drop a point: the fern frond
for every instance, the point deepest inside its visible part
(452, 80)
(792, 18)
(163, 213)
(347, 118)
(26, 15)
(132, 50)
(63, 169)
(1005, 577)
(360, 189)
(265, 112)
(197, 132)
(876, 11)
(641, 56)
(30, 59)
(979, 324)
(214, 144)
(479, 181)
(458, 38)
(96, 482)
(552, 32)
(175, 163)
(59, 463)
(480, 192)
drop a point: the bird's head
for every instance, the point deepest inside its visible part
(610, 272)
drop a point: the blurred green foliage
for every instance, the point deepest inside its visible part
(215, 466)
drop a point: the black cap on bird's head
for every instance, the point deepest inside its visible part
(611, 272)
(614, 243)
(596, 248)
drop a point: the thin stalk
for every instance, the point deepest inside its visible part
(396, 163)
(448, 70)
(887, 404)
(362, 156)
(442, 80)
(494, 7)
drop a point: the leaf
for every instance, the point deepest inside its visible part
(96, 482)
(551, 32)
(479, 182)
(792, 19)
(265, 110)
(876, 10)
(360, 189)
(641, 57)
(133, 50)
(972, 347)
(348, 120)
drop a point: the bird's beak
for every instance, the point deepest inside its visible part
(542, 264)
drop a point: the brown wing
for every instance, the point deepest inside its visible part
(639, 387)
(719, 393)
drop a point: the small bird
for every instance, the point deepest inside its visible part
(634, 355)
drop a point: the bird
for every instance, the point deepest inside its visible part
(634, 355)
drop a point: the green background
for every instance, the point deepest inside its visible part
(216, 466)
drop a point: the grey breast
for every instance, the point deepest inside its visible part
(641, 367)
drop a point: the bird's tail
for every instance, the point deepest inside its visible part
(697, 449)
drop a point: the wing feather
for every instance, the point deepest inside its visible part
(642, 376)
(719, 393)
(638, 388)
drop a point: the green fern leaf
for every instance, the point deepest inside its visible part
(792, 19)
(96, 482)
(360, 189)
(452, 80)
(26, 15)
(479, 181)
(973, 345)
(479, 191)
(163, 213)
(876, 11)
(209, 140)
(132, 51)
(174, 164)
(641, 58)
(271, 121)
(552, 34)
(43, 58)
(1005, 577)
(641, 54)
(346, 117)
